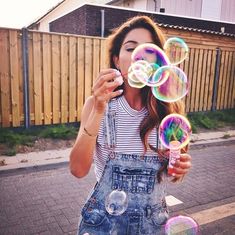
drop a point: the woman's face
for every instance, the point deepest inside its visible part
(134, 38)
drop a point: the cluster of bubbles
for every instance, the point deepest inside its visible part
(151, 66)
(157, 68)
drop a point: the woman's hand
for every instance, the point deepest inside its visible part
(181, 167)
(104, 86)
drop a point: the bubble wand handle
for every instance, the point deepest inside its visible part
(174, 155)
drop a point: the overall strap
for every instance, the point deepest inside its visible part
(110, 124)
(157, 138)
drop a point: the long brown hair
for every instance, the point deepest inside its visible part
(157, 109)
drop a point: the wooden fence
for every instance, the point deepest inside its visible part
(61, 70)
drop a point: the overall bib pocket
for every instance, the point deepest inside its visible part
(93, 213)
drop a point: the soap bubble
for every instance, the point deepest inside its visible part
(181, 225)
(174, 127)
(175, 84)
(176, 50)
(116, 202)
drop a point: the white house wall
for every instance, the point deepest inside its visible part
(140, 4)
(211, 9)
(228, 11)
(182, 7)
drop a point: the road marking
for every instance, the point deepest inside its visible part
(213, 214)
(172, 201)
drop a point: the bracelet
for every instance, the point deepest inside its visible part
(87, 133)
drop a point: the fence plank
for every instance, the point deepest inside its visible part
(186, 70)
(88, 66)
(224, 80)
(37, 75)
(228, 79)
(190, 77)
(96, 59)
(220, 82)
(56, 77)
(202, 100)
(207, 80)
(194, 80)
(14, 75)
(46, 56)
(233, 78)
(103, 55)
(72, 79)
(20, 75)
(5, 78)
(198, 81)
(212, 79)
(81, 76)
(232, 81)
(64, 79)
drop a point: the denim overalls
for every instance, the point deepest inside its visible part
(146, 212)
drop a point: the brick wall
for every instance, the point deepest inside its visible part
(86, 20)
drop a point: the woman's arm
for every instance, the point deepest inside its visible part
(81, 156)
(82, 151)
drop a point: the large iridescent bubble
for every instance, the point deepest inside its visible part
(175, 86)
(176, 50)
(175, 127)
(181, 225)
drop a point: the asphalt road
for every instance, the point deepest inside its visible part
(48, 199)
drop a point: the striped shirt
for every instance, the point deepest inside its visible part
(128, 139)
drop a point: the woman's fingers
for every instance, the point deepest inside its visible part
(106, 76)
(103, 88)
(185, 157)
(182, 166)
(107, 83)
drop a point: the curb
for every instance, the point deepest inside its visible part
(56, 158)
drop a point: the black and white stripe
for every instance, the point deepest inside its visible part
(127, 135)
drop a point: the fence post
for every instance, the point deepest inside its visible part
(216, 78)
(25, 77)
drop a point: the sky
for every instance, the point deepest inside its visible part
(20, 13)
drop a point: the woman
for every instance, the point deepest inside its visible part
(119, 132)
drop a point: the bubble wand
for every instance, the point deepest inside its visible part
(174, 134)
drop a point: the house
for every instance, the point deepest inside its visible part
(217, 10)
(100, 20)
(62, 8)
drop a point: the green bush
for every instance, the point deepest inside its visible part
(59, 132)
(212, 120)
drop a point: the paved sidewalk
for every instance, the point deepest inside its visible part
(33, 159)
(48, 199)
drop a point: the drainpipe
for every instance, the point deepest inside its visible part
(155, 5)
(25, 77)
(102, 23)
